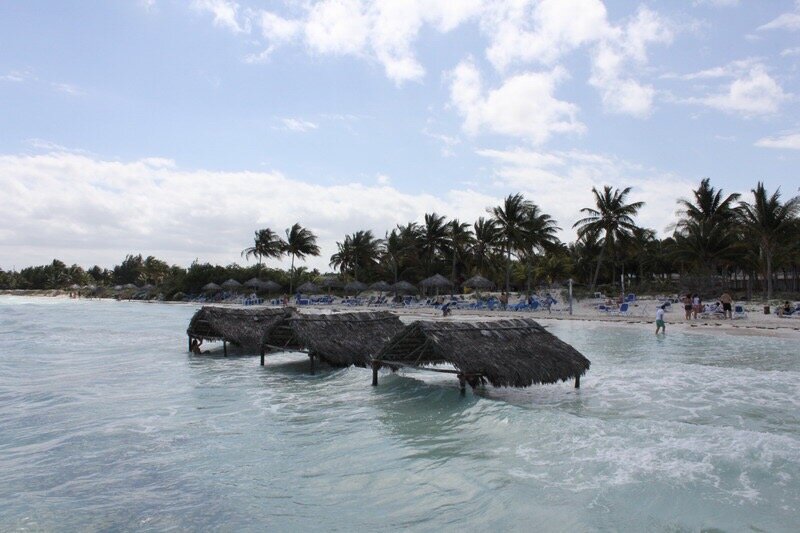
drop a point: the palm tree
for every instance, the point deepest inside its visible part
(540, 235)
(460, 237)
(769, 223)
(612, 217)
(709, 205)
(487, 238)
(510, 220)
(361, 249)
(266, 243)
(300, 242)
(433, 238)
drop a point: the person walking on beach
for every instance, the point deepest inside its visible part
(726, 301)
(660, 325)
(687, 306)
(503, 300)
(697, 305)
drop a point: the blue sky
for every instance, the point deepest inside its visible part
(178, 128)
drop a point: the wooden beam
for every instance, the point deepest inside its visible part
(225, 348)
(577, 382)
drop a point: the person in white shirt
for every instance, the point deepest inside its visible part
(660, 321)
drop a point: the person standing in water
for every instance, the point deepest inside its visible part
(726, 304)
(660, 325)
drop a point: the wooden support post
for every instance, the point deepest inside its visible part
(225, 348)
(462, 384)
(190, 344)
(311, 356)
(262, 357)
(375, 367)
(577, 382)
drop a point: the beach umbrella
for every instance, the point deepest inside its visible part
(231, 284)
(381, 286)
(404, 286)
(355, 286)
(478, 282)
(308, 288)
(437, 281)
(149, 287)
(117, 287)
(253, 283)
(330, 282)
(209, 287)
(74, 287)
(129, 286)
(270, 286)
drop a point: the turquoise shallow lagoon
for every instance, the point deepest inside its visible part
(106, 423)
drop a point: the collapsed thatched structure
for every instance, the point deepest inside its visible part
(340, 339)
(242, 327)
(506, 353)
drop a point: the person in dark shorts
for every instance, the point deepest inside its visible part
(727, 302)
(687, 306)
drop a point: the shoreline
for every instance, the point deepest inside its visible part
(758, 325)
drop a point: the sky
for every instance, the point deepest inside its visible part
(178, 128)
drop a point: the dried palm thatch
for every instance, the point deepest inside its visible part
(330, 282)
(478, 282)
(308, 288)
(404, 286)
(209, 287)
(355, 286)
(242, 327)
(437, 281)
(381, 286)
(340, 339)
(507, 353)
(231, 284)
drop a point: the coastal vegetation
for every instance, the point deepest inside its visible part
(749, 243)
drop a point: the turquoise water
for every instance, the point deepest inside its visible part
(106, 423)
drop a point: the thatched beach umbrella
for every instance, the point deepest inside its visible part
(74, 287)
(331, 282)
(211, 287)
(231, 285)
(381, 286)
(404, 287)
(478, 282)
(308, 288)
(129, 286)
(437, 281)
(355, 286)
(270, 286)
(253, 283)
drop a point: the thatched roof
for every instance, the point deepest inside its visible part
(330, 282)
(208, 287)
(403, 286)
(508, 353)
(271, 286)
(243, 327)
(308, 288)
(340, 339)
(231, 284)
(381, 286)
(437, 280)
(253, 283)
(478, 282)
(355, 286)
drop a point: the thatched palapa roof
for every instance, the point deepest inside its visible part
(231, 284)
(437, 281)
(381, 286)
(208, 287)
(308, 288)
(478, 282)
(243, 327)
(508, 353)
(355, 286)
(340, 339)
(404, 286)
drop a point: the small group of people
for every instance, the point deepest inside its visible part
(786, 309)
(693, 305)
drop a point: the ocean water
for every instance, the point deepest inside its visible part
(106, 423)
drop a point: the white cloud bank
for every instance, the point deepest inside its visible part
(84, 209)
(785, 141)
(786, 21)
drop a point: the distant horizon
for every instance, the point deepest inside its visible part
(178, 130)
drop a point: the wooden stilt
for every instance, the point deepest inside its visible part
(577, 382)
(190, 344)
(262, 357)
(375, 368)
(225, 348)
(462, 384)
(311, 356)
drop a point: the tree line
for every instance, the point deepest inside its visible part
(718, 241)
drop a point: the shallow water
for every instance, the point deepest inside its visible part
(106, 423)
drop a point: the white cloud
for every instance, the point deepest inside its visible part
(787, 52)
(717, 3)
(383, 179)
(560, 182)
(89, 210)
(298, 124)
(16, 76)
(68, 88)
(225, 12)
(523, 106)
(786, 21)
(732, 69)
(785, 141)
(752, 93)
(448, 142)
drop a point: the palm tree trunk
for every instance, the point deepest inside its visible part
(768, 257)
(597, 269)
(291, 278)
(508, 267)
